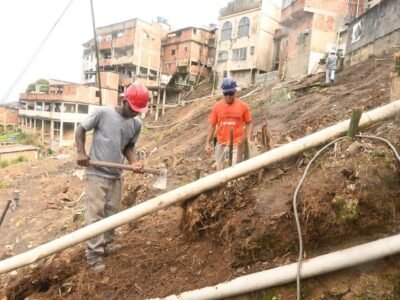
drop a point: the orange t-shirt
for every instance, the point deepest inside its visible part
(227, 116)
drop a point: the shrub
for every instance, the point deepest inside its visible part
(4, 164)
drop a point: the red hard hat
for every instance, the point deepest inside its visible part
(137, 96)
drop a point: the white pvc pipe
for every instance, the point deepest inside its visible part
(315, 266)
(194, 188)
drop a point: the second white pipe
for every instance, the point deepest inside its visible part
(315, 266)
(195, 188)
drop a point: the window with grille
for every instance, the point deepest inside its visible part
(226, 31)
(239, 54)
(244, 27)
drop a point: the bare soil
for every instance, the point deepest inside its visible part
(351, 196)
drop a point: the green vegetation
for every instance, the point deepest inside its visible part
(346, 210)
(6, 163)
(41, 86)
(19, 137)
(18, 160)
(26, 138)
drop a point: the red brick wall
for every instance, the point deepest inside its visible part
(188, 46)
(8, 116)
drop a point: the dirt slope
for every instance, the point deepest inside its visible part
(350, 196)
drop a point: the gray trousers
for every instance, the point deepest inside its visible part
(222, 156)
(330, 75)
(103, 197)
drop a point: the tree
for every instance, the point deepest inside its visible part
(40, 86)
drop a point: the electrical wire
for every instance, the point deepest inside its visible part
(296, 215)
(35, 54)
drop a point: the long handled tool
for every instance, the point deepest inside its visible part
(160, 183)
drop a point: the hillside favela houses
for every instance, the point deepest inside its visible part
(54, 115)
(310, 29)
(188, 55)
(130, 48)
(245, 43)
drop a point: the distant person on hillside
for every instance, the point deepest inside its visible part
(331, 62)
(116, 130)
(229, 113)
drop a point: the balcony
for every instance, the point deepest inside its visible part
(105, 62)
(296, 11)
(123, 60)
(41, 97)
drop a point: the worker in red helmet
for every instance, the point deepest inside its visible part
(115, 133)
(229, 114)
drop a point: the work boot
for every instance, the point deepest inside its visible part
(97, 265)
(111, 249)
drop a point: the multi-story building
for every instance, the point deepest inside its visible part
(245, 43)
(130, 48)
(311, 28)
(188, 54)
(55, 115)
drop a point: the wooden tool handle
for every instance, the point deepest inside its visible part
(105, 164)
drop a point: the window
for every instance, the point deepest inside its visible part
(120, 34)
(225, 74)
(31, 106)
(252, 50)
(244, 27)
(22, 105)
(39, 106)
(223, 55)
(239, 54)
(57, 107)
(83, 109)
(173, 52)
(185, 49)
(47, 106)
(69, 108)
(226, 31)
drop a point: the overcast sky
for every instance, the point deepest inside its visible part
(25, 23)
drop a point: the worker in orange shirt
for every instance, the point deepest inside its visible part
(229, 113)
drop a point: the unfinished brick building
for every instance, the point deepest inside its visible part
(188, 54)
(130, 48)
